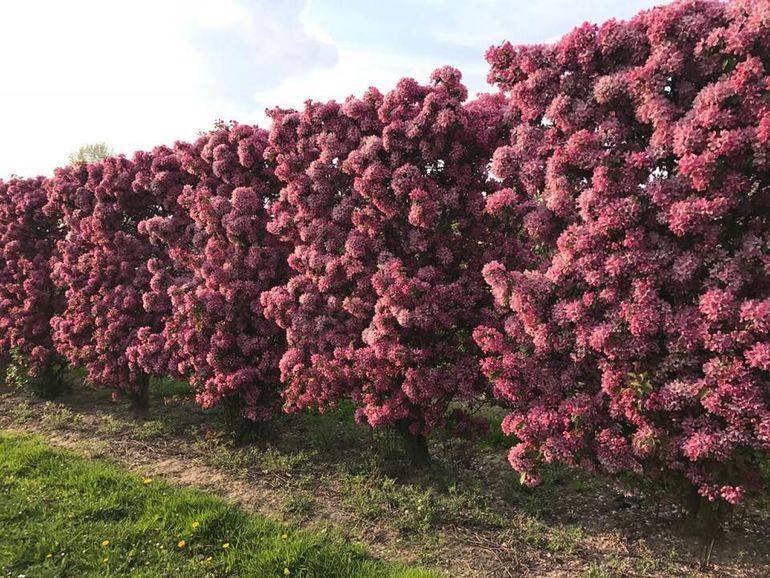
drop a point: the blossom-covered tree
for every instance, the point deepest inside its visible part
(168, 233)
(641, 342)
(222, 259)
(28, 299)
(102, 264)
(313, 214)
(384, 204)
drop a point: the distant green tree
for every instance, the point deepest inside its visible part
(90, 153)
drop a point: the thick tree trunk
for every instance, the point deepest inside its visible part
(415, 445)
(140, 398)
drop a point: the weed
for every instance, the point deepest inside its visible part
(149, 430)
(298, 505)
(22, 412)
(57, 416)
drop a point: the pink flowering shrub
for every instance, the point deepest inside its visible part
(384, 205)
(220, 260)
(102, 264)
(28, 298)
(641, 342)
(313, 215)
(168, 232)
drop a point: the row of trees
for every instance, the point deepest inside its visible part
(589, 247)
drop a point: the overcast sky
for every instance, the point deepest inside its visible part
(139, 73)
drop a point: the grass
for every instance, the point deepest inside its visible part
(319, 469)
(377, 484)
(62, 515)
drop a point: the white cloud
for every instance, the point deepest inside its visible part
(141, 73)
(138, 74)
(479, 23)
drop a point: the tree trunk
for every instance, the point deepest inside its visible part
(140, 398)
(692, 504)
(706, 518)
(50, 382)
(415, 445)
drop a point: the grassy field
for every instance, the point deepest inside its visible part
(65, 516)
(326, 483)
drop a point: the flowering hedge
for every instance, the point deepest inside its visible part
(29, 230)
(220, 259)
(102, 266)
(590, 246)
(384, 205)
(641, 343)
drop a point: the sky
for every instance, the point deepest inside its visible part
(135, 74)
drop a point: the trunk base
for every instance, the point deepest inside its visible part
(706, 518)
(51, 383)
(241, 428)
(140, 399)
(415, 446)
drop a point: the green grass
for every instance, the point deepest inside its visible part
(62, 515)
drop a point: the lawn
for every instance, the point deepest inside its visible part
(64, 515)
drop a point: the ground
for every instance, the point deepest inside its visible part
(465, 515)
(66, 516)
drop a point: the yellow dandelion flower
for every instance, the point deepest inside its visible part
(105, 543)
(284, 536)
(147, 481)
(195, 525)
(226, 545)
(49, 556)
(106, 560)
(286, 571)
(181, 544)
(209, 559)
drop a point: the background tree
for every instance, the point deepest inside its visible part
(91, 153)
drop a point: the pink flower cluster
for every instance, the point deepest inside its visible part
(640, 342)
(28, 234)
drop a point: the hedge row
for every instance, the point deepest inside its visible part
(589, 246)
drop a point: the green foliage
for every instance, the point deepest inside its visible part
(52, 381)
(90, 153)
(16, 371)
